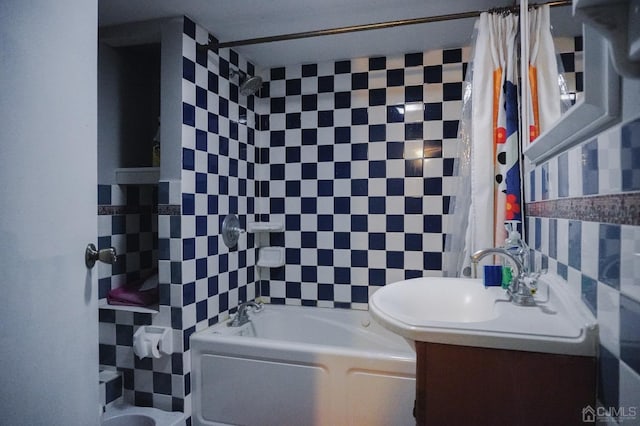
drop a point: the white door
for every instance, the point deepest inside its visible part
(48, 301)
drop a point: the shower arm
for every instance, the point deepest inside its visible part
(237, 72)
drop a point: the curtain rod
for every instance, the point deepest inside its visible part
(213, 44)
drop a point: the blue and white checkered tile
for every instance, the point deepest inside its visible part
(609, 162)
(565, 246)
(358, 154)
(207, 279)
(594, 244)
(630, 156)
(127, 221)
(606, 164)
(110, 387)
(116, 329)
(606, 280)
(630, 261)
(355, 157)
(570, 56)
(199, 278)
(217, 179)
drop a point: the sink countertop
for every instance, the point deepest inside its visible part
(557, 324)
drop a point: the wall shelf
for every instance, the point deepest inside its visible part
(137, 175)
(598, 109)
(265, 227)
(270, 257)
(153, 309)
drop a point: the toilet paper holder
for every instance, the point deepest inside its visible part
(153, 341)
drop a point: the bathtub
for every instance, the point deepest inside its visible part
(302, 366)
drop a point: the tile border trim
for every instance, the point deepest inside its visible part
(622, 209)
(169, 209)
(107, 210)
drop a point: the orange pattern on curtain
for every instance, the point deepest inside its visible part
(499, 136)
(534, 128)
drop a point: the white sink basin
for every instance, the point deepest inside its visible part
(423, 300)
(461, 311)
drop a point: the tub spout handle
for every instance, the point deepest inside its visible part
(242, 317)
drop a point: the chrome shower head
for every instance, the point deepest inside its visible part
(248, 85)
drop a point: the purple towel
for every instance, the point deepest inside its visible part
(135, 293)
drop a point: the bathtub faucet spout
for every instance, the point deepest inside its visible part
(242, 317)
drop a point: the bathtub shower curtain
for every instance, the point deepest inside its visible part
(490, 185)
(544, 96)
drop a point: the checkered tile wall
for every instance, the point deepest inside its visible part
(207, 279)
(218, 169)
(357, 161)
(584, 225)
(199, 277)
(127, 221)
(569, 50)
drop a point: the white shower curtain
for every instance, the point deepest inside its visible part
(544, 95)
(495, 167)
(491, 142)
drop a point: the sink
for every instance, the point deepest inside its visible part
(420, 300)
(461, 311)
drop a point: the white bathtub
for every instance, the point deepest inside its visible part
(302, 366)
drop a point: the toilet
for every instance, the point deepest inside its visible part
(129, 415)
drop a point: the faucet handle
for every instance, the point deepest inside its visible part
(530, 280)
(257, 306)
(530, 283)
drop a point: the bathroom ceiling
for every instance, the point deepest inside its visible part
(242, 19)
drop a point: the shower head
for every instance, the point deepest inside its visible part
(248, 85)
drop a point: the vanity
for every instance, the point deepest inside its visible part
(474, 385)
(482, 359)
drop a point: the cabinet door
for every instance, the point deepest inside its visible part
(467, 385)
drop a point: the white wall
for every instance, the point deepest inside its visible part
(109, 123)
(167, 32)
(630, 98)
(171, 101)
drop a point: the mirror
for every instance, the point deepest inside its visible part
(598, 108)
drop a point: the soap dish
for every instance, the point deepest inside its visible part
(265, 227)
(271, 257)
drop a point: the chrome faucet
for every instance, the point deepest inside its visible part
(522, 287)
(241, 317)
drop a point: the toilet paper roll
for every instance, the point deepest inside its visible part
(146, 342)
(154, 344)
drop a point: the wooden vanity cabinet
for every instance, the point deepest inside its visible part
(462, 385)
